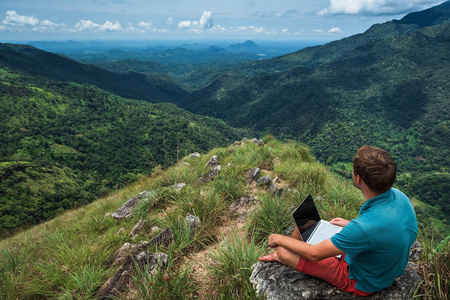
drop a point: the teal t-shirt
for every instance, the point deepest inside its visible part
(377, 243)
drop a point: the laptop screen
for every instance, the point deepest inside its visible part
(306, 217)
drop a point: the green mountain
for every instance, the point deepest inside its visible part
(387, 87)
(63, 144)
(153, 88)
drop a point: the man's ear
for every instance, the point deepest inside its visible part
(358, 179)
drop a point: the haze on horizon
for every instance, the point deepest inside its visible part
(30, 20)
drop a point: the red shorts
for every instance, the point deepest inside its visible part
(333, 270)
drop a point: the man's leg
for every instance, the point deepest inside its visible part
(284, 256)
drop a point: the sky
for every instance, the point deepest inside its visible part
(41, 20)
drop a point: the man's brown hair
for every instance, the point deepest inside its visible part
(376, 167)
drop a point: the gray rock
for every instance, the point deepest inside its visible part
(164, 238)
(126, 209)
(416, 249)
(213, 161)
(265, 180)
(256, 141)
(138, 228)
(119, 282)
(275, 191)
(237, 143)
(242, 203)
(194, 223)
(178, 186)
(213, 172)
(279, 282)
(253, 174)
(194, 155)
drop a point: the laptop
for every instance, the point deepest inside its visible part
(312, 228)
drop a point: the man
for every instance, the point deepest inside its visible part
(374, 247)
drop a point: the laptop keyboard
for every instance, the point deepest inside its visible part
(324, 231)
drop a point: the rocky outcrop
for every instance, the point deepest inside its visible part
(164, 238)
(125, 210)
(276, 281)
(131, 258)
(214, 170)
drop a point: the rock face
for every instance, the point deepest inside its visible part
(125, 210)
(279, 282)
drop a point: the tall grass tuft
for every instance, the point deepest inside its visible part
(274, 215)
(172, 282)
(231, 269)
(13, 272)
(340, 200)
(435, 268)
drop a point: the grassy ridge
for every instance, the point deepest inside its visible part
(63, 144)
(71, 256)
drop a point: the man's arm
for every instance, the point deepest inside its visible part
(312, 252)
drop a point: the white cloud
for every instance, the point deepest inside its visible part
(318, 31)
(15, 22)
(277, 14)
(169, 21)
(335, 30)
(109, 26)
(253, 30)
(206, 22)
(12, 18)
(375, 7)
(86, 25)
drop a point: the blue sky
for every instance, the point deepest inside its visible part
(30, 20)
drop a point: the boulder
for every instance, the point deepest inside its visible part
(125, 210)
(276, 281)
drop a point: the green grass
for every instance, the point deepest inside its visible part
(231, 269)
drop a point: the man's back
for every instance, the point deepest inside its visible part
(377, 243)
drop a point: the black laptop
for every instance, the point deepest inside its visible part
(312, 228)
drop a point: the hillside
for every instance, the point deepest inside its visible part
(153, 88)
(391, 91)
(63, 144)
(73, 255)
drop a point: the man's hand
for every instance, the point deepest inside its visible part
(274, 240)
(339, 222)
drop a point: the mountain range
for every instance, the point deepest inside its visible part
(388, 87)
